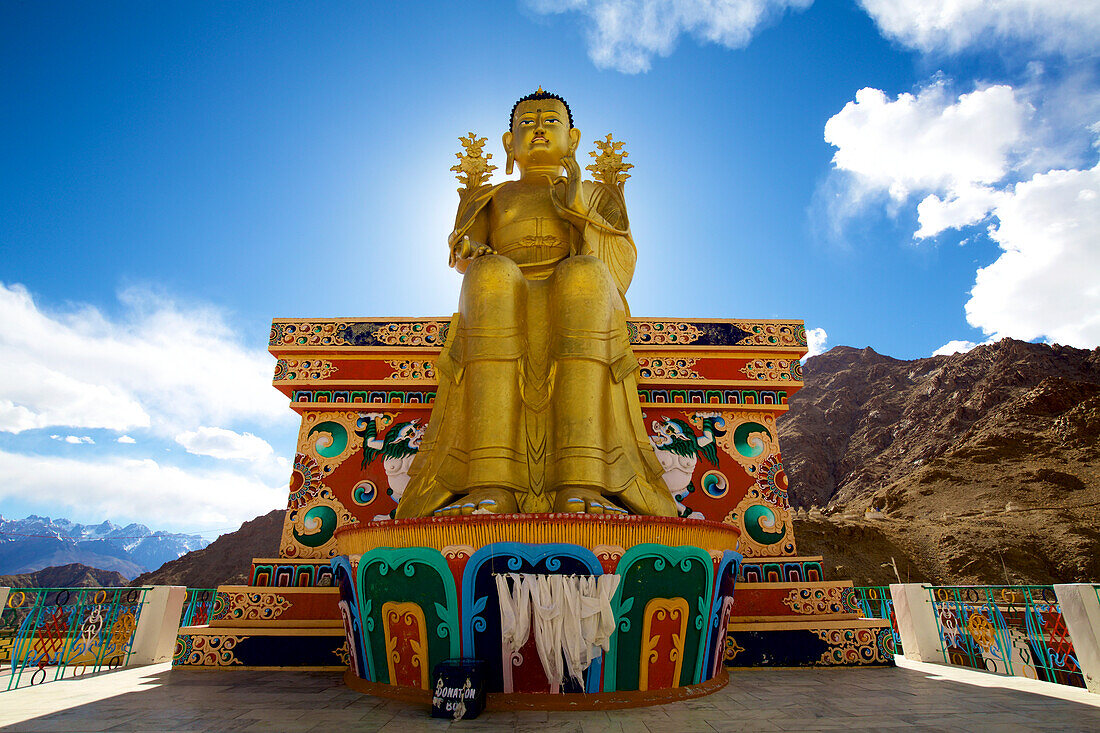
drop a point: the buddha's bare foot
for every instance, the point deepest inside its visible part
(480, 501)
(580, 500)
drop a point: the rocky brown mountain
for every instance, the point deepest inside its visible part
(226, 560)
(985, 465)
(73, 575)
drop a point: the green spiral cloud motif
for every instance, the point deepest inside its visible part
(364, 492)
(334, 443)
(742, 442)
(756, 518)
(319, 516)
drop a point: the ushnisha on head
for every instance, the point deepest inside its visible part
(541, 134)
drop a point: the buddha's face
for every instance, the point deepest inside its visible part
(540, 134)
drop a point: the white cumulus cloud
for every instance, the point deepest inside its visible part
(126, 439)
(158, 366)
(952, 151)
(966, 160)
(138, 490)
(954, 347)
(625, 35)
(1046, 282)
(1057, 26)
(816, 338)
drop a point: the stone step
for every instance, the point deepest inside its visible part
(256, 606)
(243, 647)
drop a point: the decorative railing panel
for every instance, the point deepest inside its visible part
(1012, 630)
(50, 633)
(198, 606)
(876, 602)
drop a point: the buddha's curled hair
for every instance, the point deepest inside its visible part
(534, 96)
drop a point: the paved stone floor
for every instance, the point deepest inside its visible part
(914, 695)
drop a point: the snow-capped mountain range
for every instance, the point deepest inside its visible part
(30, 544)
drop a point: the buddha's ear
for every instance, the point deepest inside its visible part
(574, 139)
(507, 140)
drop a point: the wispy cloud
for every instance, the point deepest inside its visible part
(625, 35)
(229, 445)
(159, 366)
(74, 439)
(139, 490)
(177, 374)
(1052, 26)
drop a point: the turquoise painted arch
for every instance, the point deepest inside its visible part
(417, 575)
(656, 571)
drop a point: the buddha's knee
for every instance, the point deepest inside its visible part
(584, 279)
(583, 288)
(491, 288)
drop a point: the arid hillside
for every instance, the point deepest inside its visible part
(226, 560)
(985, 465)
(73, 575)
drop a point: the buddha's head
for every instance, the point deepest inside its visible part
(541, 133)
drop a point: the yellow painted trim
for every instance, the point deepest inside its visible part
(388, 319)
(701, 352)
(811, 624)
(654, 319)
(649, 643)
(439, 533)
(446, 319)
(780, 558)
(394, 610)
(251, 668)
(823, 617)
(337, 383)
(331, 406)
(710, 406)
(434, 384)
(335, 630)
(320, 590)
(333, 623)
(728, 383)
(794, 586)
(283, 561)
(346, 351)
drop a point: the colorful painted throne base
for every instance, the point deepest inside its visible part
(418, 591)
(364, 389)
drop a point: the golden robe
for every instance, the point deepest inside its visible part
(537, 381)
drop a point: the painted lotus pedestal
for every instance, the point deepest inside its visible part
(415, 592)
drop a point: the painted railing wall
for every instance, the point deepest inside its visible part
(876, 602)
(198, 606)
(1013, 630)
(1045, 632)
(48, 634)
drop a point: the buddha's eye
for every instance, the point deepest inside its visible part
(551, 119)
(526, 122)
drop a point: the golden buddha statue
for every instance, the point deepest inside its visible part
(537, 407)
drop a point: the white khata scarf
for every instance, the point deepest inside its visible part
(572, 615)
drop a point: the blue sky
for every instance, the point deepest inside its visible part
(908, 175)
